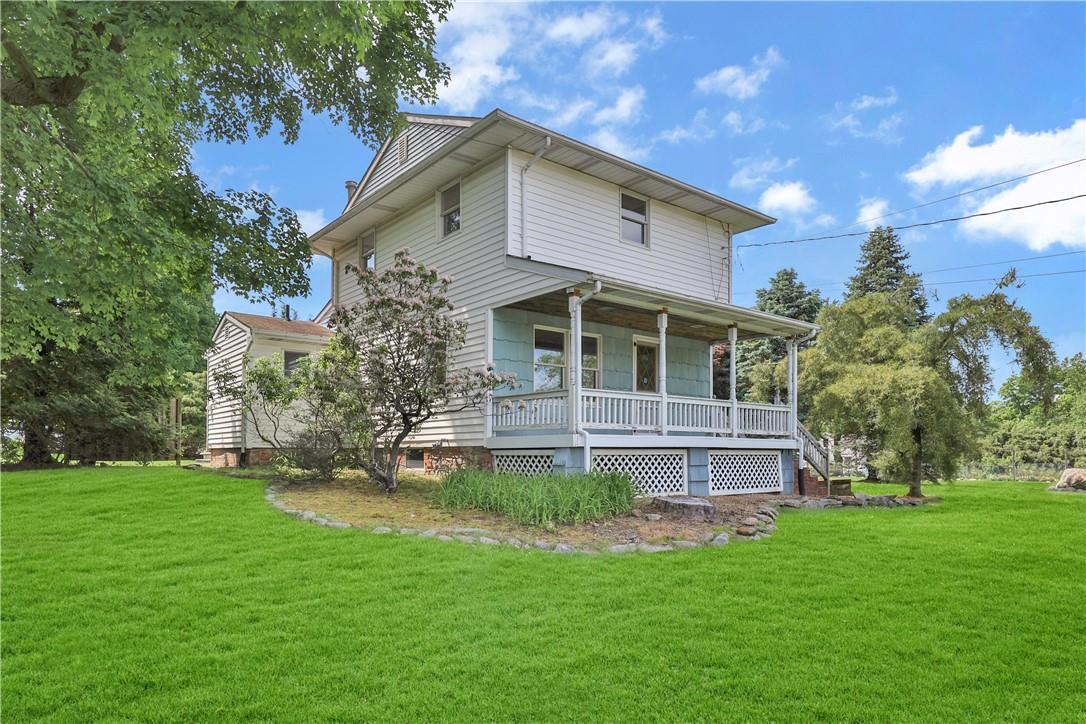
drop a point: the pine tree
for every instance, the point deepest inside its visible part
(787, 296)
(884, 267)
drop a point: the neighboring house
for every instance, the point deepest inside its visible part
(602, 284)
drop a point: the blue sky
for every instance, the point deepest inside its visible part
(819, 114)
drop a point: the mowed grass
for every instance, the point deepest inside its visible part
(136, 593)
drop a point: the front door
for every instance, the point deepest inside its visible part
(645, 360)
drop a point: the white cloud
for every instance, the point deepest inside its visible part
(741, 82)
(1007, 155)
(698, 129)
(609, 140)
(484, 35)
(653, 26)
(626, 109)
(823, 220)
(611, 57)
(888, 98)
(870, 209)
(754, 171)
(570, 112)
(789, 197)
(740, 126)
(856, 117)
(576, 28)
(312, 220)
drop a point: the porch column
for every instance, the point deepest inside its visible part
(574, 412)
(793, 378)
(661, 367)
(733, 339)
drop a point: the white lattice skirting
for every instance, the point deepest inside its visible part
(744, 472)
(653, 472)
(524, 463)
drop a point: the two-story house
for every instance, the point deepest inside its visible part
(602, 284)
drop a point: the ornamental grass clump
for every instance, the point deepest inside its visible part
(539, 500)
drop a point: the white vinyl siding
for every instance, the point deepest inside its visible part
(475, 259)
(226, 354)
(422, 140)
(266, 345)
(574, 220)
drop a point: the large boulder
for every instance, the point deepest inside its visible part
(1073, 479)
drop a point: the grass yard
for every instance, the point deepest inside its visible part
(156, 593)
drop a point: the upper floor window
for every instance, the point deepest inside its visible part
(367, 251)
(450, 209)
(635, 220)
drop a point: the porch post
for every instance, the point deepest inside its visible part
(574, 412)
(661, 367)
(733, 339)
(793, 378)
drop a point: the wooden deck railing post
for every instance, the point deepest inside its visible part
(574, 414)
(733, 338)
(661, 372)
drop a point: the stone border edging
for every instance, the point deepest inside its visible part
(761, 524)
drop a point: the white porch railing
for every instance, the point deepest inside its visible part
(616, 410)
(531, 410)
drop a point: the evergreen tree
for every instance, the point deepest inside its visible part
(884, 267)
(787, 296)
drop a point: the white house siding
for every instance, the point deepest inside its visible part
(266, 346)
(574, 221)
(422, 140)
(224, 416)
(475, 259)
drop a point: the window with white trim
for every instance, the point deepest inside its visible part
(635, 220)
(450, 209)
(549, 362)
(291, 360)
(367, 251)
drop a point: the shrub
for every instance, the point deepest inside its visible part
(539, 500)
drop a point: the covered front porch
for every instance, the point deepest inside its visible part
(611, 358)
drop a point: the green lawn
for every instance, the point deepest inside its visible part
(155, 593)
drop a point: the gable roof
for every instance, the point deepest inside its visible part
(260, 323)
(484, 138)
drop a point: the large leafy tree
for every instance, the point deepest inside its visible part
(884, 267)
(112, 242)
(786, 295)
(918, 390)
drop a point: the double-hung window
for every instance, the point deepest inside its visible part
(367, 251)
(291, 360)
(550, 361)
(635, 220)
(450, 209)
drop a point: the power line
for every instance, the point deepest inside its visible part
(824, 285)
(1017, 276)
(914, 226)
(962, 193)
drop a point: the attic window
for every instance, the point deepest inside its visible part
(450, 209)
(401, 149)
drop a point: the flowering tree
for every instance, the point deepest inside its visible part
(402, 338)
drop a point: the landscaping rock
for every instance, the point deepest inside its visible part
(472, 531)
(444, 537)
(767, 510)
(721, 539)
(489, 541)
(381, 530)
(749, 521)
(684, 544)
(515, 542)
(543, 545)
(792, 502)
(409, 531)
(564, 548)
(321, 521)
(623, 548)
(746, 530)
(430, 533)
(1073, 480)
(338, 524)
(465, 538)
(686, 506)
(653, 516)
(307, 515)
(650, 548)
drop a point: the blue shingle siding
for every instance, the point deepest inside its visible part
(687, 359)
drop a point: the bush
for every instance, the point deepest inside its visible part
(539, 500)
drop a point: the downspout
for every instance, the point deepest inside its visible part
(586, 445)
(524, 196)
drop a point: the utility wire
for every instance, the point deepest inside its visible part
(1017, 276)
(962, 193)
(914, 226)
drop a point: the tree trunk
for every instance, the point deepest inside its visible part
(917, 476)
(36, 444)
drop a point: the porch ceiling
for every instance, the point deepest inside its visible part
(635, 309)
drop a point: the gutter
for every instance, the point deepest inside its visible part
(524, 195)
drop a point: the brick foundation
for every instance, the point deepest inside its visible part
(456, 457)
(260, 456)
(232, 457)
(811, 485)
